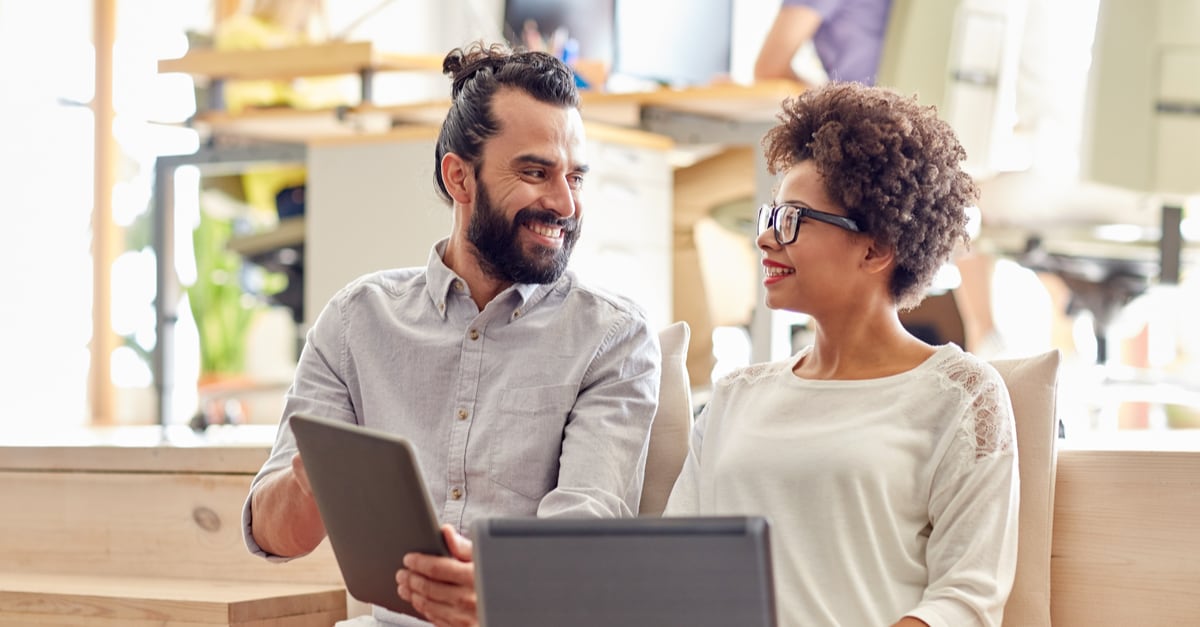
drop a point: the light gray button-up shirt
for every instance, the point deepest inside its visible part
(538, 405)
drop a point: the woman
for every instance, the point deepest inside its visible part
(886, 466)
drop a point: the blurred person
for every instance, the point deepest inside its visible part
(846, 34)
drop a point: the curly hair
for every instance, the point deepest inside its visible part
(892, 163)
(476, 73)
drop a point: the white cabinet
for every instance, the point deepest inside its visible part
(1143, 125)
(626, 242)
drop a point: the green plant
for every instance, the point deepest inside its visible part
(223, 312)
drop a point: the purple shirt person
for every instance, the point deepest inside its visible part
(847, 34)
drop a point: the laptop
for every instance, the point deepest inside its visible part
(373, 501)
(633, 572)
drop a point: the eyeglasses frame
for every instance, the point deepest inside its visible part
(804, 212)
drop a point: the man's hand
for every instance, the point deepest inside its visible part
(442, 588)
(285, 517)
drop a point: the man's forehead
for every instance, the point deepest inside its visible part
(535, 131)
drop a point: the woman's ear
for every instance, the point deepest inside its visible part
(459, 178)
(879, 257)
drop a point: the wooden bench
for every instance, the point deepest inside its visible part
(125, 601)
(146, 534)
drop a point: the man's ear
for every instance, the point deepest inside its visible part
(459, 178)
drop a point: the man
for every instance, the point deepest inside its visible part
(524, 392)
(847, 34)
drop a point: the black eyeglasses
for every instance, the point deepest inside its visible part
(786, 221)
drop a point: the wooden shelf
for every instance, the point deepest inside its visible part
(290, 232)
(294, 62)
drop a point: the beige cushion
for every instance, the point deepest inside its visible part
(1031, 384)
(672, 421)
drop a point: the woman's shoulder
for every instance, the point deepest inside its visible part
(964, 370)
(754, 373)
(987, 422)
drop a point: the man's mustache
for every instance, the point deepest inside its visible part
(545, 216)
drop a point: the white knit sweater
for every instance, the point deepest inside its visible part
(887, 497)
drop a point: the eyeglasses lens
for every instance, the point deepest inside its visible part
(786, 223)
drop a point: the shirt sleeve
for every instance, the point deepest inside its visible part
(823, 7)
(972, 548)
(317, 388)
(606, 437)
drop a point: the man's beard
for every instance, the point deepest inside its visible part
(498, 245)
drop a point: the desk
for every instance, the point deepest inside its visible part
(1108, 244)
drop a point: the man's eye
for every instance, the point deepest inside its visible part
(536, 174)
(576, 180)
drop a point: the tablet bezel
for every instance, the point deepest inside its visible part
(702, 571)
(373, 501)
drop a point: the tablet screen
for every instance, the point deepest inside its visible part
(373, 501)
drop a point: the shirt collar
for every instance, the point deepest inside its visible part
(440, 280)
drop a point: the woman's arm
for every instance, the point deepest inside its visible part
(973, 505)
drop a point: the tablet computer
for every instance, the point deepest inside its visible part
(632, 572)
(373, 501)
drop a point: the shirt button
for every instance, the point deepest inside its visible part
(456, 494)
(517, 314)
(462, 414)
(474, 334)
(458, 285)
(442, 307)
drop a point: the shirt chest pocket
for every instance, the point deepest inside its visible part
(527, 438)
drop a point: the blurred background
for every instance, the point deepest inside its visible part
(1081, 119)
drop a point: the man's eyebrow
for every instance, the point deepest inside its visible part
(548, 163)
(536, 160)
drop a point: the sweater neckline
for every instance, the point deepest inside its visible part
(940, 354)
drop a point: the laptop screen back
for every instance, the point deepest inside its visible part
(634, 572)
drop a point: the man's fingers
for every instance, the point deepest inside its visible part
(443, 616)
(444, 569)
(450, 595)
(459, 546)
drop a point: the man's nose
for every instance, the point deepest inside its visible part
(560, 198)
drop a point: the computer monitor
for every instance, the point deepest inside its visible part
(668, 42)
(673, 42)
(588, 22)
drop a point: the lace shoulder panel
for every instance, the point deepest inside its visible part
(750, 374)
(987, 421)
